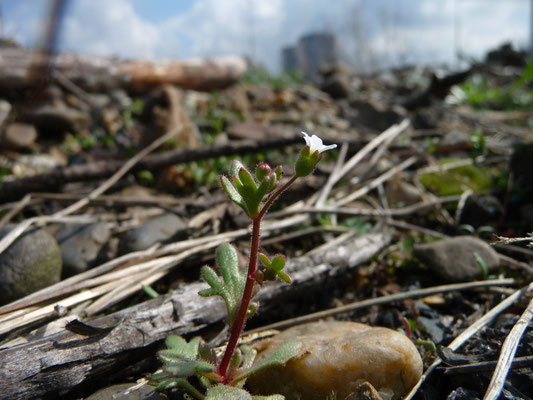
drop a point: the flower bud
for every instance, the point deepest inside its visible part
(262, 170)
(310, 155)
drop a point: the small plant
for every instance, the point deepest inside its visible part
(194, 366)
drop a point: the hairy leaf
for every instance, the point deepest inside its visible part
(179, 346)
(279, 357)
(222, 392)
(178, 382)
(231, 286)
(232, 192)
(248, 358)
(184, 369)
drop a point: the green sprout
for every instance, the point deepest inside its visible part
(220, 378)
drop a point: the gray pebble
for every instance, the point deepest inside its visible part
(31, 263)
(454, 260)
(158, 230)
(80, 246)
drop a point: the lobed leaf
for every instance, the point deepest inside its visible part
(232, 192)
(180, 347)
(231, 286)
(222, 392)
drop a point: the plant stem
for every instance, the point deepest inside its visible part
(240, 320)
(275, 195)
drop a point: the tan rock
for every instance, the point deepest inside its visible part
(338, 357)
(164, 113)
(18, 136)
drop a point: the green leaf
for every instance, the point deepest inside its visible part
(179, 348)
(276, 266)
(207, 353)
(236, 360)
(231, 286)
(278, 263)
(221, 392)
(211, 277)
(279, 357)
(284, 277)
(271, 397)
(247, 179)
(232, 192)
(169, 384)
(234, 168)
(248, 358)
(181, 383)
(184, 369)
(264, 259)
(278, 172)
(482, 264)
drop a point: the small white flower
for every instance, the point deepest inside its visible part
(315, 143)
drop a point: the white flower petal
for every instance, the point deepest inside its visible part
(315, 143)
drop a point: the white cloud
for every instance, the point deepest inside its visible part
(109, 28)
(368, 31)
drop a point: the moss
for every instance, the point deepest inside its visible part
(457, 180)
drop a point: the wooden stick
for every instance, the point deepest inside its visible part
(13, 190)
(417, 293)
(507, 354)
(468, 333)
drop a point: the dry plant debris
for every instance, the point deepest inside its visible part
(441, 167)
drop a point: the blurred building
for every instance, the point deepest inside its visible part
(290, 58)
(314, 52)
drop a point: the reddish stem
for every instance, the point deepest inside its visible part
(240, 320)
(275, 196)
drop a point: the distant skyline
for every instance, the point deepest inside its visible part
(370, 33)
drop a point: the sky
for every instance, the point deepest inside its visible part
(370, 33)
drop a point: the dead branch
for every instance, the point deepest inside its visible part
(53, 180)
(56, 364)
(99, 73)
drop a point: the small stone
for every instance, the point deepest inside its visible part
(80, 246)
(480, 210)
(454, 259)
(158, 230)
(401, 193)
(58, 119)
(121, 98)
(462, 394)
(365, 391)
(127, 391)
(521, 163)
(368, 115)
(31, 263)
(337, 83)
(337, 357)
(18, 136)
(5, 109)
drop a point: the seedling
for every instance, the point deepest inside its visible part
(223, 378)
